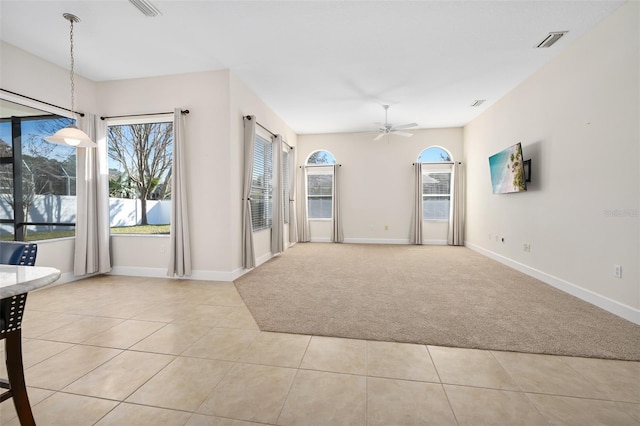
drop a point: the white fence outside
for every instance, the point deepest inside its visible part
(62, 209)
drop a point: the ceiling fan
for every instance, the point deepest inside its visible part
(389, 128)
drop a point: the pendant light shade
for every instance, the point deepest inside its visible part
(71, 135)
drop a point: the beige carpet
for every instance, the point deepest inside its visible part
(445, 296)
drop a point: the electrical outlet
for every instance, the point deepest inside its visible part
(617, 271)
(526, 247)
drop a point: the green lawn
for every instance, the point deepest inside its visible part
(49, 235)
(141, 229)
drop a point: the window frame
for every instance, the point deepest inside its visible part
(286, 180)
(129, 121)
(19, 222)
(265, 220)
(326, 170)
(426, 196)
(315, 169)
(440, 166)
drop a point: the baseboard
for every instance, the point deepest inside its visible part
(380, 241)
(624, 311)
(435, 242)
(320, 240)
(375, 241)
(162, 273)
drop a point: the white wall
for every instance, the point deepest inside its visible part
(577, 119)
(215, 156)
(377, 183)
(244, 102)
(206, 95)
(28, 75)
(214, 153)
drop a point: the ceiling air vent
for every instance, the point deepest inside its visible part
(146, 7)
(551, 38)
(478, 102)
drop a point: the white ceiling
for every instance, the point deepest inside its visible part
(322, 66)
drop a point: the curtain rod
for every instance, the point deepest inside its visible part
(184, 111)
(81, 114)
(269, 131)
(439, 162)
(320, 165)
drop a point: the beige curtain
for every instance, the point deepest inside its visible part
(304, 231)
(179, 242)
(277, 222)
(455, 235)
(248, 254)
(336, 221)
(91, 253)
(416, 222)
(293, 226)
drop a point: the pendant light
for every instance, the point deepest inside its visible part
(71, 135)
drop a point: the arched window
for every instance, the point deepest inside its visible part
(319, 184)
(434, 154)
(436, 183)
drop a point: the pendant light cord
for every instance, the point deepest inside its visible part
(72, 19)
(72, 76)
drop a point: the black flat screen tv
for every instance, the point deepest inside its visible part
(507, 170)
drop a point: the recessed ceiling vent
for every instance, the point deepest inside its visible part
(478, 102)
(146, 7)
(551, 38)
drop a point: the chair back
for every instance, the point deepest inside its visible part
(18, 253)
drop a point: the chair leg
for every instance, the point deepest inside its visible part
(15, 372)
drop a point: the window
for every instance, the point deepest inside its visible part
(140, 159)
(261, 184)
(436, 194)
(37, 178)
(436, 183)
(285, 184)
(320, 185)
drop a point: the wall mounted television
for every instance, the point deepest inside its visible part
(507, 170)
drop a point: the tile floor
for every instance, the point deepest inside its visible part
(141, 351)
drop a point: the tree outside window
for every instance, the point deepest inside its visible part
(140, 169)
(37, 178)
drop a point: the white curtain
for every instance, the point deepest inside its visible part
(293, 226)
(277, 223)
(336, 221)
(305, 233)
(416, 222)
(180, 250)
(248, 254)
(455, 235)
(91, 253)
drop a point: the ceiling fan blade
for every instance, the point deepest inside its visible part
(406, 126)
(405, 134)
(377, 138)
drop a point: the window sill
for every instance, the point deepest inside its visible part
(321, 220)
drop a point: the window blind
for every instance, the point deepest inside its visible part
(436, 194)
(261, 185)
(319, 194)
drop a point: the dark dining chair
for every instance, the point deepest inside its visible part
(11, 311)
(18, 253)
